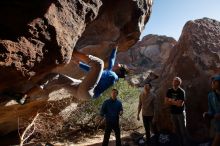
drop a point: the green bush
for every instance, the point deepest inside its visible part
(128, 95)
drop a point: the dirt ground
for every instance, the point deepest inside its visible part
(97, 141)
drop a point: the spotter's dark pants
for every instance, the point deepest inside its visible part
(108, 129)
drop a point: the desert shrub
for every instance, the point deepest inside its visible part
(71, 118)
(90, 109)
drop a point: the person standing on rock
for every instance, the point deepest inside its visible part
(147, 103)
(214, 108)
(93, 85)
(111, 109)
(175, 98)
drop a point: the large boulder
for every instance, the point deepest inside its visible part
(118, 23)
(38, 37)
(195, 59)
(149, 54)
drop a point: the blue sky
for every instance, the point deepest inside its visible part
(169, 16)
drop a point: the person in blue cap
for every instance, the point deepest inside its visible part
(214, 108)
(93, 85)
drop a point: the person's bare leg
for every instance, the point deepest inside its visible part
(26, 96)
(49, 83)
(81, 57)
(86, 88)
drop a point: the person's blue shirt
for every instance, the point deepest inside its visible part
(213, 103)
(108, 77)
(214, 107)
(111, 110)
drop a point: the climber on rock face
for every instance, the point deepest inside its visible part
(93, 85)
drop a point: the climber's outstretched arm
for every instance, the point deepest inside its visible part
(112, 58)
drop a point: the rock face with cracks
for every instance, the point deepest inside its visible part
(38, 37)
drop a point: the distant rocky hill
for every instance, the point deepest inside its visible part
(150, 53)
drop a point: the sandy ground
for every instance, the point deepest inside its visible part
(97, 141)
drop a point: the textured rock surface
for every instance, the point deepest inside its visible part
(195, 59)
(119, 27)
(148, 54)
(46, 33)
(39, 36)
